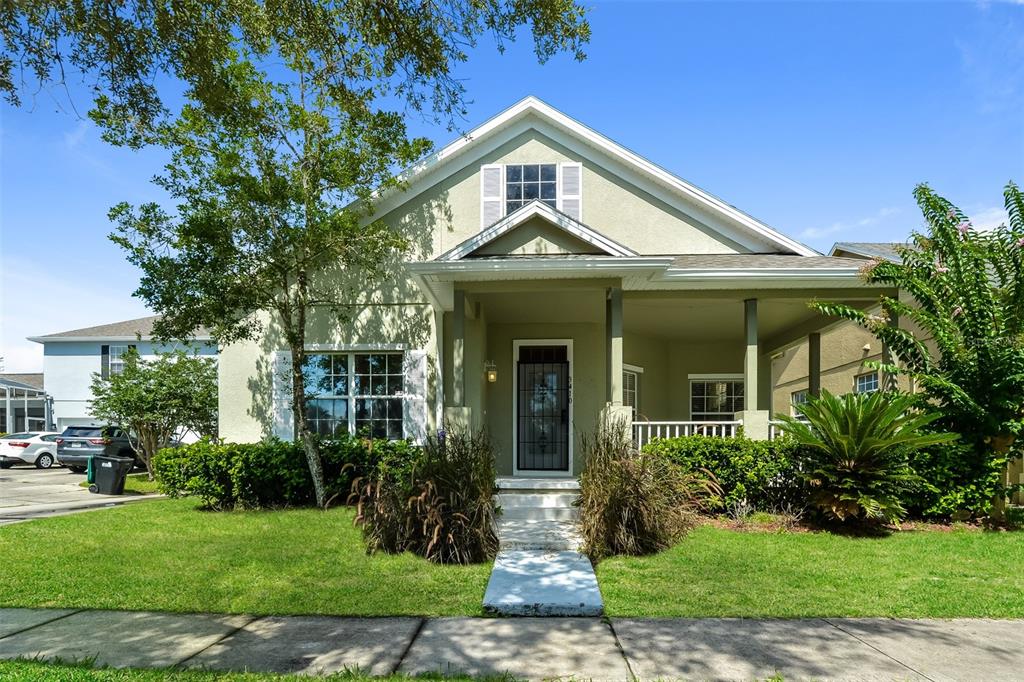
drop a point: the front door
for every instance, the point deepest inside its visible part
(542, 408)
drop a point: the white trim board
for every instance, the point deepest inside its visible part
(541, 210)
(534, 473)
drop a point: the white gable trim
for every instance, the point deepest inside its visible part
(541, 210)
(437, 166)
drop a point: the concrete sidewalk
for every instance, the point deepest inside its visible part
(533, 648)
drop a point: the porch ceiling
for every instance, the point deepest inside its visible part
(717, 319)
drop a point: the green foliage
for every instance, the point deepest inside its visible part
(153, 399)
(271, 473)
(633, 502)
(762, 473)
(397, 51)
(855, 452)
(967, 291)
(438, 504)
(959, 480)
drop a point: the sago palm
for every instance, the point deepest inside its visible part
(854, 452)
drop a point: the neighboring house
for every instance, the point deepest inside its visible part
(24, 405)
(71, 358)
(846, 348)
(556, 279)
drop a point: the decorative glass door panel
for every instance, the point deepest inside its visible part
(542, 409)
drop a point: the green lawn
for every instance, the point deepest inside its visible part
(717, 572)
(31, 671)
(137, 484)
(166, 555)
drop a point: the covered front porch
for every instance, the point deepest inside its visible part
(540, 360)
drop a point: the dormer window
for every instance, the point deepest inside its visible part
(526, 182)
(504, 189)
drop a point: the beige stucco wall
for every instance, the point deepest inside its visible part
(449, 212)
(245, 372)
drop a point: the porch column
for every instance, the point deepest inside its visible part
(814, 364)
(459, 349)
(755, 420)
(613, 347)
(890, 380)
(750, 354)
(457, 415)
(10, 414)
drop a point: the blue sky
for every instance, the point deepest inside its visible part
(818, 119)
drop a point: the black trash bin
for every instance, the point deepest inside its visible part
(110, 473)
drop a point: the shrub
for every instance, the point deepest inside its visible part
(855, 458)
(761, 474)
(632, 502)
(270, 473)
(438, 503)
(960, 481)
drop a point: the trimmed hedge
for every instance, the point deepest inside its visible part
(271, 473)
(761, 472)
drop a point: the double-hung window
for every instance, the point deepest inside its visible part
(117, 354)
(715, 398)
(631, 389)
(866, 383)
(526, 182)
(358, 393)
(796, 399)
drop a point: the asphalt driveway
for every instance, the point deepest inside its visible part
(29, 493)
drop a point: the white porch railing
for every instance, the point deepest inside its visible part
(774, 429)
(645, 432)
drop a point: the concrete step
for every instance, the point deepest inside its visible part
(538, 483)
(538, 583)
(551, 499)
(519, 534)
(539, 513)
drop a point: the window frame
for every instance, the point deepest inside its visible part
(876, 378)
(352, 398)
(706, 416)
(115, 363)
(637, 373)
(793, 402)
(553, 202)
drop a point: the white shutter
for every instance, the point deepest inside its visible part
(414, 399)
(570, 189)
(284, 420)
(492, 190)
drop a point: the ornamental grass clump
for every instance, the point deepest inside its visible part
(633, 502)
(438, 504)
(855, 454)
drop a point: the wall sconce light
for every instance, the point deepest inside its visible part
(492, 371)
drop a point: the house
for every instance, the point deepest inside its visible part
(556, 279)
(845, 350)
(71, 358)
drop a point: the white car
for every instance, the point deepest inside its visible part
(30, 447)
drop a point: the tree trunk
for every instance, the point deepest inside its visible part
(309, 444)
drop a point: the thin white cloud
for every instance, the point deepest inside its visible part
(37, 298)
(73, 138)
(988, 219)
(845, 226)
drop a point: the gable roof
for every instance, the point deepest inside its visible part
(23, 380)
(126, 330)
(883, 250)
(536, 209)
(533, 113)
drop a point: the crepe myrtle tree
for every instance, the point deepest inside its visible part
(967, 302)
(293, 118)
(152, 400)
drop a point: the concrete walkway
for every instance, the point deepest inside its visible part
(528, 648)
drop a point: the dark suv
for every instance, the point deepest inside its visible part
(78, 443)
